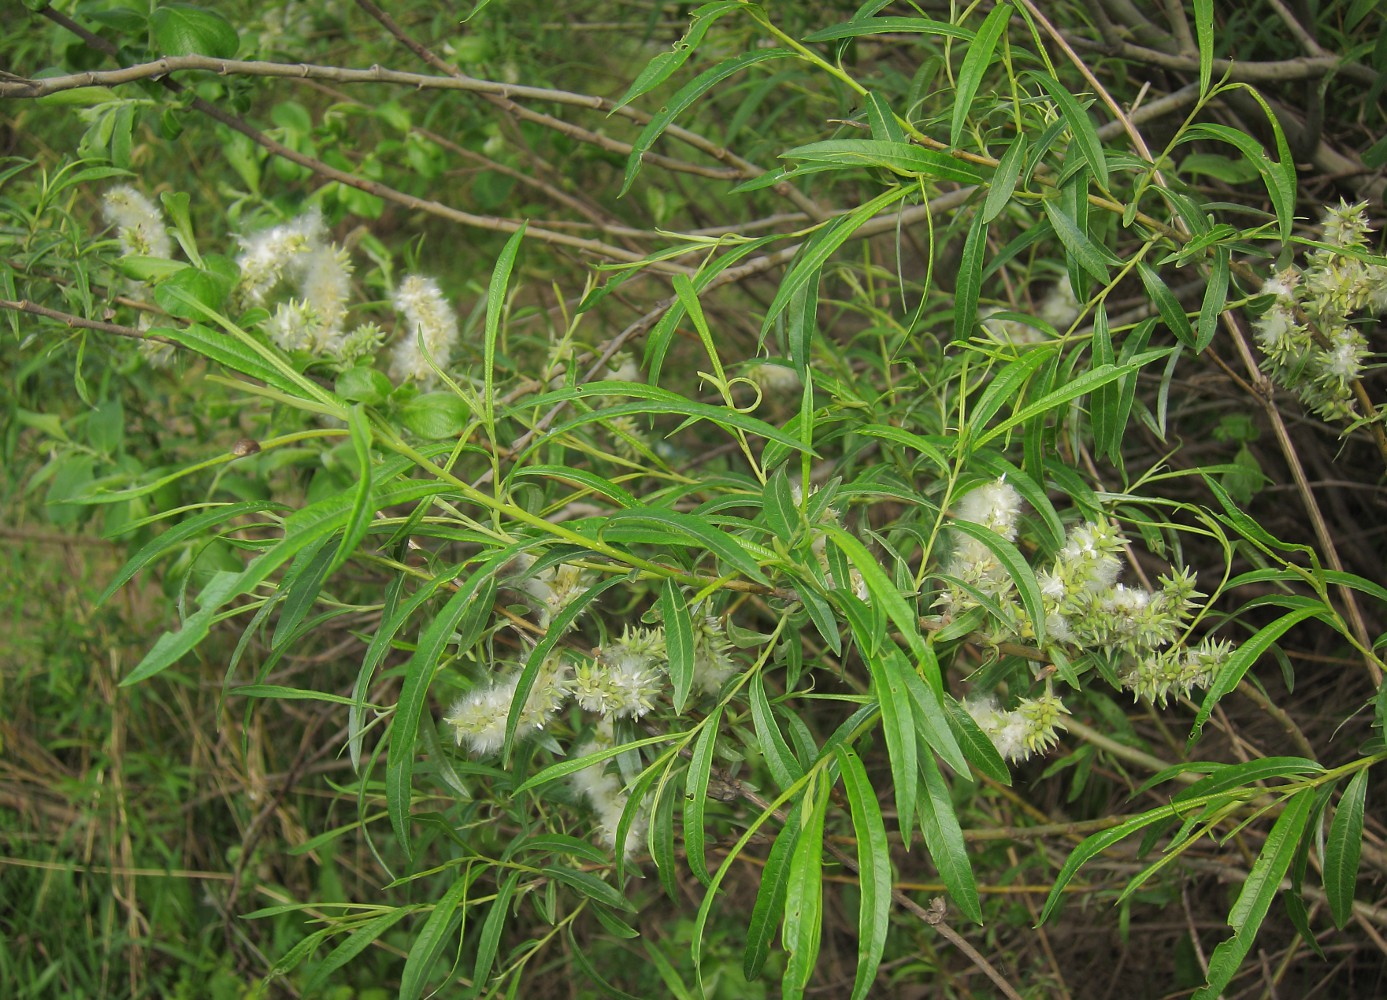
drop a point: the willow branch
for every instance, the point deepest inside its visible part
(1271, 71)
(693, 139)
(79, 323)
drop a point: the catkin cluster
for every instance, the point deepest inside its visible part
(303, 279)
(1311, 339)
(622, 681)
(1087, 609)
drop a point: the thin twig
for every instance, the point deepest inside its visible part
(78, 322)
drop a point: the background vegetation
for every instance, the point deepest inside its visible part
(817, 369)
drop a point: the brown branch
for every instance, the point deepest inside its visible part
(77, 322)
(323, 170)
(1271, 71)
(693, 139)
(162, 70)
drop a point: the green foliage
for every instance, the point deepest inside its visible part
(714, 461)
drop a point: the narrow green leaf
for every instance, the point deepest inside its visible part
(1004, 178)
(819, 247)
(1008, 385)
(660, 839)
(898, 725)
(664, 65)
(1172, 313)
(802, 322)
(1262, 884)
(820, 613)
(404, 726)
(392, 619)
(300, 589)
(535, 662)
(1242, 660)
(1080, 127)
(944, 838)
(1018, 569)
(770, 897)
(281, 692)
(674, 612)
(698, 532)
(491, 932)
(168, 540)
(696, 794)
(1092, 257)
(893, 25)
(1355, 582)
(579, 477)
(358, 941)
(976, 746)
(1215, 297)
(778, 506)
(1094, 845)
(932, 722)
(968, 287)
(1223, 777)
(359, 521)
(884, 593)
(882, 121)
(1204, 34)
(1278, 179)
(873, 869)
(1105, 401)
(429, 944)
(899, 157)
(722, 416)
(495, 306)
(686, 96)
(227, 352)
(1342, 849)
(1076, 387)
(590, 886)
(976, 62)
(803, 927)
(785, 769)
(566, 767)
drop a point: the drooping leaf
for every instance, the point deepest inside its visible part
(696, 795)
(944, 838)
(769, 907)
(687, 94)
(803, 926)
(665, 64)
(968, 288)
(1262, 884)
(432, 937)
(1342, 849)
(873, 869)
